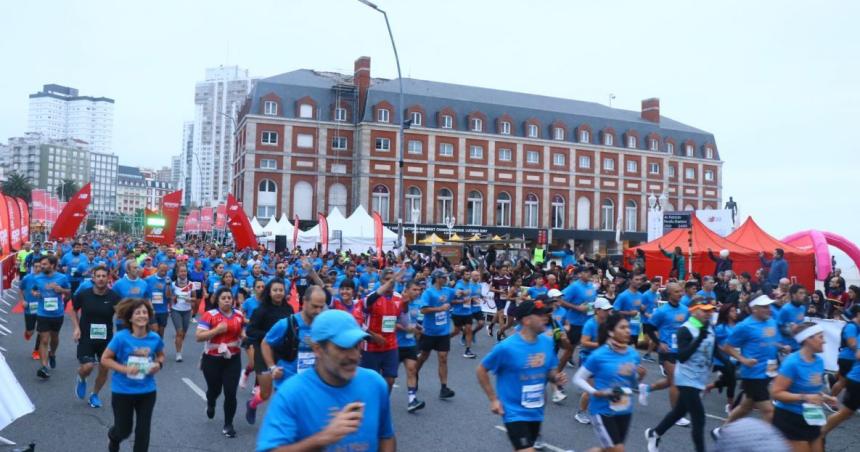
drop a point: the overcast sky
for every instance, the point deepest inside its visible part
(776, 82)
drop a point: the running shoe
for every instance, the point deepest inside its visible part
(229, 431)
(558, 395)
(243, 379)
(539, 444)
(210, 411)
(446, 393)
(683, 422)
(52, 361)
(28, 335)
(728, 408)
(80, 387)
(582, 417)
(43, 373)
(95, 401)
(250, 413)
(490, 331)
(652, 439)
(468, 354)
(415, 405)
(644, 389)
(715, 434)
(178, 357)
(36, 355)
(649, 357)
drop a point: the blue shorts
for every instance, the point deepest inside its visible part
(384, 362)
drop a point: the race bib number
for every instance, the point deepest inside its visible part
(52, 303)
(98, 331)
(636, 320)
(142, 363)
(441, 318)
(623, 402)
(157, 298)
(533, 396)
(305, 361)
(33, 307)
(590, 311)
(388, 323)
(195, 285)
(772, 368)
(303, 282)
(814, 415)
(215, 286)
(242, 283)
(674, 342)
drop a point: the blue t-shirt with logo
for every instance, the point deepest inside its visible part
(408, 319)
(790, 315)
(32, 301)
(579, 293)
(436, 323)
(305, 358)
(806, 378)
(50, 302)
(157, 288)
(127, 288)
(850, 331)
(590, 329)
(463, 292)
(611, 369)
(521, 370)
(667, 319)
(759, 340)
(131, 350)
(630, 301)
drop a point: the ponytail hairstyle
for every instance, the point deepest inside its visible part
(608, 325)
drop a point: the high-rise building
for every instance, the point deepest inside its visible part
(165, 174)
(175, 171)
(48, 162)
(103, 175)
(218, 100)
(60, 112)
(185, 159)
(130, 191)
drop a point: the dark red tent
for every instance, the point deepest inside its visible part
(801, 263)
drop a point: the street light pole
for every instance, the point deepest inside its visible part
(399, 191)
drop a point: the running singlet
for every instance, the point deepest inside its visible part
(611, 369)
(806, 378)
(139, 352)
(225, 345)
(757, 339)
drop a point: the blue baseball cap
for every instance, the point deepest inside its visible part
(229, 254)
(338, 327)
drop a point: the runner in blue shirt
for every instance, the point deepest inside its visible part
(847, 347)
(707, 291)
(288, 353)
(578, 300)
(336, 405)
(650, 299)
(435, 304)
(407, 328)
(690, 290)
(523, 364)
(791, 315)
(31, 305)
(538, 288)
(160, 294)
(130, 286)
(851, 399)
(51, 288)
(602, 309)
(663, 330)
(468, 294)
(72, 265)
(629, 304)
(797, 391)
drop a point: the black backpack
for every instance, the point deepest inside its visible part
(288, 349)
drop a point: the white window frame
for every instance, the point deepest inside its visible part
(632, 166)
(630, 217)
(503, 210)
(476, 152)
(505, 128)
(584, 136)
(339, 143)
(413, 203)
(383, 115)
(382, 144)
(506, 154)
(415, 147)
(558, 212)
(709, 175)
(653, 144)
(532, 131)
(306, 111)
(446, 149)
(380, 203)
(476, 125)
(558, 133)
(268, 164)
(447, 122)
(608, 139)
(445, 204)
(531, 211)
(305, 141)
(671, 171)
(709, 153)
(631, 142)
(269, 137)
(475, 209)
(417, 118)
(270, 108)
(584, 161)
(535, 154)
(688, 150)
(340, 114)
(653, 168)
(607, 215)
(608, 164)
(558, 159)
(689, 174)
(670, 148)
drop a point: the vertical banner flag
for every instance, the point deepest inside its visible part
(40, 205)
(53, 208)
(192, 222)
(221, 217)
(323, 232)
(14, 223)
(4, 227)
(206, 219)
(170, 205)
(25, 219)
(296, 232)
(152, 232)
(377, 234)
(72, 214)
(240, 227)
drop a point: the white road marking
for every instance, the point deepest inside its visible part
(715, 417)
(547, 446)
(194, 388)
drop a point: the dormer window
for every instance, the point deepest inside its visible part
(688, 150)
(558, 133)
(270, 108)
(447, 121)
(382, 115)
(532, 131)
(306, 111)
(653, 144)
(631, 142)
(608, 139)
(340, 114)
(709, 153)
(670, 148)
(417, 118)
(476, 125)
(505, 128)
(584, 136)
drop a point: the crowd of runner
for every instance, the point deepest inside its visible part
(311, 334)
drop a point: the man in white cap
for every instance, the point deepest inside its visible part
(723, 262)
(755, 343)
(336, 405)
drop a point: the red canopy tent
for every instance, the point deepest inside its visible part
(801, 263)
(703, 239)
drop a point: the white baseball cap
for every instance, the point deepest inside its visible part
(602, 303)
(553, 293)
(762, 300)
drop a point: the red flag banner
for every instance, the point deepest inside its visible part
(191, 222)
(323, 222)
(14, 223)
(221, 217)
(25, 219)
(4, 227)
(170, 205)
(295, 231)
(55, 209)
(240, 226)
(377, 233)
(40, 202)
(72, 214)
(152, 234)
(206, 219)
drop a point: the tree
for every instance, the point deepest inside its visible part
(17, 185)
(67, 189)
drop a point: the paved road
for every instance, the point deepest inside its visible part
(464, 423)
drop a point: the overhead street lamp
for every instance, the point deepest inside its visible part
(399, 191)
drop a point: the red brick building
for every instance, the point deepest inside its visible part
(497, 161)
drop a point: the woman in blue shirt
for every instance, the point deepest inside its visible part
(797, 392)
(726, 321)
(135, 355)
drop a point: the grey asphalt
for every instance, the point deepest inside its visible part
(464, 423)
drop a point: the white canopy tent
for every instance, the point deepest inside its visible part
(357, 232)
(269, 229)
(256, 227)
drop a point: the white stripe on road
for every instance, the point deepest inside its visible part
(194, 388)
(715, 417)
(546, 445)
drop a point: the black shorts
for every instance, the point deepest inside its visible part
(851, 399)
(663, 357)
(756, 389)
(160, 319)
(794, 427)
(438, 343)
(610, 430)
(523, 434)
(845, 366)
(90, 351)
(259, 363)
(511, 308)
(479, 316)
(404, 353)
(574, 335)
(46, 324)
(461, 320)
(29, 322)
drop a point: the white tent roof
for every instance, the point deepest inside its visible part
(360, 224)
(269, 228)
(256, 227)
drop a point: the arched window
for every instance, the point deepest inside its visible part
(689, 207)
(413, 204)
(503, 209)
(558, 212)
(474, 208)
(630, 220)
(445, 204)
(337, 198)
(583, 213)
(380, 201)
(303, 200)
(267, 198)
(531, 215)
(607, 215)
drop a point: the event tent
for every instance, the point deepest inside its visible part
(256, 227)
(703, 239)
(801, 263)
(270, 227)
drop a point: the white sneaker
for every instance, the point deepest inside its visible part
(558, 395)
(179, 357)
(728, 408)
(582, 417)
(539, 444)
(243, 379)
(644, 389)
(652, 439)
(683, 422)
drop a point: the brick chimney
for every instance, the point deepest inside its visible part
(362, 81)
(650, 109)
